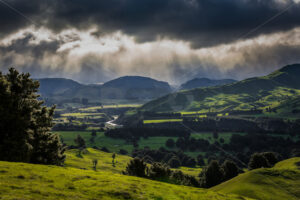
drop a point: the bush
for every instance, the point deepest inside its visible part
(174, 162)
(200, 160)
(159, 171)
(104, 149)
(123, 152)
(257, 160)
(136, 167)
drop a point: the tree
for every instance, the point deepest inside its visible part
(174, 162)
(95, 162)
(113, 159)
(170, 143)
(79, 141)
(211, 175)
(271, 158)
(136, 167)
(25, 124)
(159, 171)
(257, 160)
(230, 169)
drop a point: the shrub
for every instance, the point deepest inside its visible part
(104, 149)
(123, 152)
(200, 160)
(136, 167)
(174, 162)
(159, 171)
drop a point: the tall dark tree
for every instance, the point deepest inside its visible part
(25, 123)
(211, 175)
(230, 169)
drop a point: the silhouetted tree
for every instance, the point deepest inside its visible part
(230, 169)
(271, 158)
(257, 160)
(25, 123)
(136, 167)
(211, 175)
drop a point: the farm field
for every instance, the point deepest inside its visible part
(114, 145)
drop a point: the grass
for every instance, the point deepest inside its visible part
(277, 183)
(77, 180)
(114, 145)
(157, 121)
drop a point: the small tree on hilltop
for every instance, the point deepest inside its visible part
(25, 124)
(174, 162)
(136, 167)
(271, 158)
(257, 160)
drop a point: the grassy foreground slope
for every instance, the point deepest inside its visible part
(28, 181)
(277, 183)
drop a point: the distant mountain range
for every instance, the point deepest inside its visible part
(204, 82)
(254, 93)
(127, 87)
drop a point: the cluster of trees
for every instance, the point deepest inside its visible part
(174, 159)
(133, 134)
(69, 127)
(25, 123)
(158, 171)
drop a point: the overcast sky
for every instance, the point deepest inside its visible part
(93, 41)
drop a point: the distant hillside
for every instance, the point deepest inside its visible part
(57, 86)
(253, 93)
(277, 183)
(128, 87)
(134, 87)
(204, 82)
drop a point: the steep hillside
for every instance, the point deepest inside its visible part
(134, 87)
(253, 93)
(204, 82)
(277, 183)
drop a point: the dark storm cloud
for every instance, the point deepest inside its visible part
(202, 22)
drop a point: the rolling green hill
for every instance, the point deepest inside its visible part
(280, 182)
(77, 180)
(254, 93)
